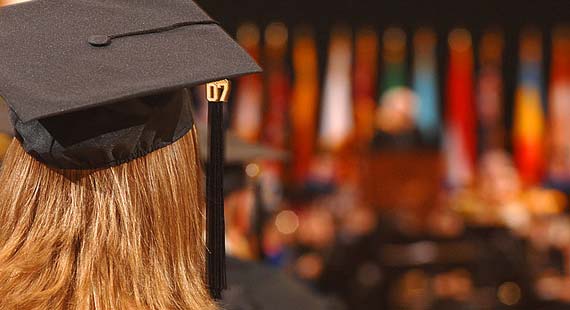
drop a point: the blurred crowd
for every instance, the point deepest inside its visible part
(410, 184)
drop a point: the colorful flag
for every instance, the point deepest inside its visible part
(365, 79)
(460, 133)
(275, 128)
(247, 112)
(426, 86)
(394, 54)
(304, 103)
(490, 104)
(395, 114)
(278, 86)
(529, 123)
(559, 107)
(337, 116)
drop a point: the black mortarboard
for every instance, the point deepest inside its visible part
(96, 83)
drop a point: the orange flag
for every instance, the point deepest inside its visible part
(529, 123)
(304, 103)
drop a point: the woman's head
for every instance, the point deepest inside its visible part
(125, 237)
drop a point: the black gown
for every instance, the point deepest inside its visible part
(252, 286)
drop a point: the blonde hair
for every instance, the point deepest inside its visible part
(126, 237)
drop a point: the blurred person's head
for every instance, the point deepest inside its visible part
(499, 181)
(445, 223)
(359, 221)
(124, 237)
(309, 266)
(456, 284)
(317, 228)
(408, 221)
(412, 290)
(549, 284)
(397, 111)
(274, 241)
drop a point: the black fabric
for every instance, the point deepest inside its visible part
(235, 178)
(106, 40)
(48, 67)
(215, 227)
(252, 286)
(108, 135)
(79, 106)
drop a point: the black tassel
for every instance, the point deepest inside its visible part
(215, 238)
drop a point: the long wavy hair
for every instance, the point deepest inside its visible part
(126, 237)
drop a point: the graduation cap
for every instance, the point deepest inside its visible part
(96, 83)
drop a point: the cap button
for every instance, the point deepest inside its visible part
(99, 40)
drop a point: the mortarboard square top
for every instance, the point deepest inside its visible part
(96, 83)
(51, 64)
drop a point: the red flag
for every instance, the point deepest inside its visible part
(365, 80)
(559, 111)
(460, 135)
(490, 104)
(275, 128)
(278, 86)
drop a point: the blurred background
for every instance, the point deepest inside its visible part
(428, 149)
